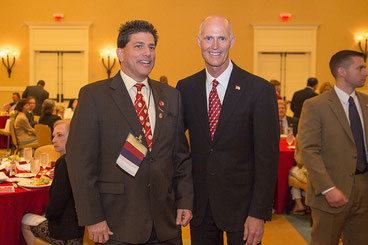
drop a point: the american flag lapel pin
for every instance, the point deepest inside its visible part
(237, 87)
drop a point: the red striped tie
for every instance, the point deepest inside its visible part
(214, 108)
(142, 112)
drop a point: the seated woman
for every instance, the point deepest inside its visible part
(71, 107)
(23, 130)
(61, 223)
(60, 110)
(47, 117)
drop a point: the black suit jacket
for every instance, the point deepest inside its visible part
(39, 93)
(293, 123)
(60, 210)
(236, 172)
(104, 117)
(49, 120)
(298, 99)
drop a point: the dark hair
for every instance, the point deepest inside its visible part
(21, 104)
(342, 58)
(41, 82)
(31, 97)
(17, 94)
(312, 81)
(47, 107)
(71, 101)
(132, 27)
(275, 82)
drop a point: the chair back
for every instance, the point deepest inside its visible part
(12, 133)
(43, 134)
(53, 155)
(36, 118)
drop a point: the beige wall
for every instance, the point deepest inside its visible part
(177, 23)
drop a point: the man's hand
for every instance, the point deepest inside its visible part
(253, 230)
(336, 198)
(99, 232)
(183, 216)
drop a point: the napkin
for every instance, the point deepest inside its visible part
(3, 177)
(24, 167)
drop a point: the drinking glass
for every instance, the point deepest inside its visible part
(35, 166)
(290, 136)
(44, 161)
(27, 154)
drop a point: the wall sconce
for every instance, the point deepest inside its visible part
(363, 38)
(110, 56)
(8, 58)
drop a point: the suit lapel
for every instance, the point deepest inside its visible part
(364, 106)
(233, 93)
(123, 101)
(335, 105)
(160, 108)
(201, 102)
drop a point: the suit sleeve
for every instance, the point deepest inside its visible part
(266, 149)
(183, 165)
(310, 141)
(25, 93)
(82, 160)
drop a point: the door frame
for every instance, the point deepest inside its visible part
(50, 36)
(285, 38)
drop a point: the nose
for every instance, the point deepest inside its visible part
(147, 51)
(214, 44)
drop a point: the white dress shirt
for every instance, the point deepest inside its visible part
(285, 125)
(223, 80)
(147, 95)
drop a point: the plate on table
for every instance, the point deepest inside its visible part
(25, 175)
(44, 181)
(19, 179)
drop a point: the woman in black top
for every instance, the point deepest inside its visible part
(47, 116)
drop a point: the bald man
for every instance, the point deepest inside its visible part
(232, 117)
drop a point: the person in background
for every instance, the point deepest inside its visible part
(286, 122)
(300, 96)
(60, 110)
(277, 86)
(39, 93)
(23, 130)
(47, 116)
(333, 144)
(232, 118)
(163, 79)
(61, 223)
(11, 106)
(325, 87)
(30, 115)
(71, 107)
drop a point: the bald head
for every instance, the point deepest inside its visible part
(216, 20)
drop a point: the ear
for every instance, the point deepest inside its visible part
(119, 53)
(232, 41)
(198, 38)
(341, 71)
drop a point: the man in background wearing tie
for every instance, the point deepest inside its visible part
(122, 123)
(234, 136)
(333, 136)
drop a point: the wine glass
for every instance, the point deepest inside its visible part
(290, 136)
(27, 154)
(35, 166)
(44, 161)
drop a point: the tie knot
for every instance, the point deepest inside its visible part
(139, 86)
(215, 83)
(351, 101)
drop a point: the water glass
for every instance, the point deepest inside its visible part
(35, 166)
(44, 161)
(27, 154)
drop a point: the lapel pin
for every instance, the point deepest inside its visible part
(160, 109)
(162, 103)
(160, 115)
(237, 87)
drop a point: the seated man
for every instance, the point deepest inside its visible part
(61, 224)
(285, 121)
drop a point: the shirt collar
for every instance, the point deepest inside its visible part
(344, 97)
(130, 82)
(224, 78)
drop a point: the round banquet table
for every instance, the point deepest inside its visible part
(3, 138)
(286, 161)
(14, 205)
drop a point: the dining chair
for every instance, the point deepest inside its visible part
(39, 241)
(16, 147)
(43, 133)
(50, 149)
(86, 240)
(6, 132)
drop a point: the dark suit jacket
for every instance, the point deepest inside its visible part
(328, 148)
(104, 117)
(31, 120)
(49, 120)
(236, 172)
(292, 123)
(60, 210)
(298, 99)
(39, 94)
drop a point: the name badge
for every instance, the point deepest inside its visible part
(131, 155)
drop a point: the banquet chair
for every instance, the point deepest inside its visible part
(53, 155)
(39, 241)
(6, 133)
(86, 240)
(16, 147)
(43, 133)
(36, 118)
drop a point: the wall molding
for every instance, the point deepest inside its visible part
(11, 89)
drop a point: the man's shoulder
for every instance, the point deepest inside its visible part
(193, 78)
(97, 86)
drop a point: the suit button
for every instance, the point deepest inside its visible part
(211, 151)
(354, 157)
(148, 185)
(352, 174)
(152, 160)
(212, 174)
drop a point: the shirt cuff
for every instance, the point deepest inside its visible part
(329, 189)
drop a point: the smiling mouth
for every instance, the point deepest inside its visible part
(215, 53)
(145, 62)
